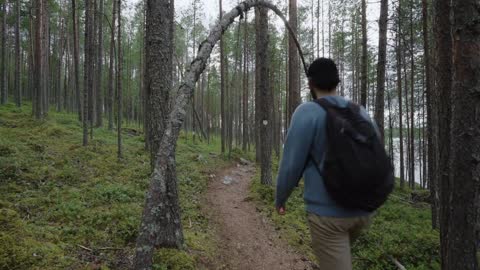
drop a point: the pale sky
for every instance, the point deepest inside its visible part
(210, 8)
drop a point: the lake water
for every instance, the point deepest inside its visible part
(396, 159)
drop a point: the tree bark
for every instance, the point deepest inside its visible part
(438, 165)
(294, 98)
(3, 71)
(262, 85)
(222, 87)
(363, 90)
(245, 85)
(461, 215)
(161, 223)
(18, 93)
(119, 80)
(99, 69)
(88, 69)
(76, 60)
(39, 103)
(398, 52)
(111, 79)
(382, 55)
(431, 119)
(412, 101)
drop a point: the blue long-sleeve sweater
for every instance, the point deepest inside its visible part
(307, 136)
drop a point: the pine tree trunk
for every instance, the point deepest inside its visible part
(439, 168)
(263, 89)
(40, 65)
(363, 90)
(111, 79)
(88, 68)
(3, 71)
(245, 85)
(119, 80)
(222, 87)
(460, 244)
(398, 52)
(442, 111)
(99, 69)
(18, 93)
(294, 98)
(161, 224)
(412, 101)
(76, 60)
(382, 55)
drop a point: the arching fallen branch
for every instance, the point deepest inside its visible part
(164, 167)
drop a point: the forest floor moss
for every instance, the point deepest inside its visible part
(401, 229)
(64, 206)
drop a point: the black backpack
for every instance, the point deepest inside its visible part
(357, 171)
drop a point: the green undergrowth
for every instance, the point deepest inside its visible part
(64, 206)
(401, 229)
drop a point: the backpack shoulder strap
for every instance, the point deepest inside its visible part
(324, 103)
(354, 107)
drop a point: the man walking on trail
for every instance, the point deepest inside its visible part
(333, 226)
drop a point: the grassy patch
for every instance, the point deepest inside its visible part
(67, 206)
(400, 229)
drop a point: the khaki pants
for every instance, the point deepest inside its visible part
(332, 237)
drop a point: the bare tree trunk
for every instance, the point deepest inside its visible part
(398, 52)
(294, 98)
(431, 119)
(460, 243)
(439, 162)
(99, 69)
(382, 59)
(88, 68)
(363, 90)
(39, 103)
(76, 60)
(119, 80)
(412, 103)
(265, 125)
(222, 87)
(18, 93)
(245, 85)
(439, 182)
(3, 73)
(111, 78)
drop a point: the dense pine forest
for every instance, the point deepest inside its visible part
(147, 134)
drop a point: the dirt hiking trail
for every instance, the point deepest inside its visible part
(246, 239)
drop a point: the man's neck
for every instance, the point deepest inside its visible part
(321, 94)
